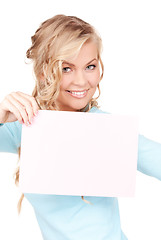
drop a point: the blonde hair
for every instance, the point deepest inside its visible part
(56, 40)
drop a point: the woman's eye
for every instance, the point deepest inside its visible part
(66, 69)
(91, 67)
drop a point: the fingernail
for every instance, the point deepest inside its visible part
(27, 123)
(36, 113)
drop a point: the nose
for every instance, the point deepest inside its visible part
(80, 79)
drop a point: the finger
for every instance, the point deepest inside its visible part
(26, 105)
(32, 100)
(18, 107)
(9, 107)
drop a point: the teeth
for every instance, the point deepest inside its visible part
(78, 93)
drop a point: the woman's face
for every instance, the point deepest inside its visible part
(80, 77)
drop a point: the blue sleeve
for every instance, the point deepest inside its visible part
(10, 137)
(149, 157)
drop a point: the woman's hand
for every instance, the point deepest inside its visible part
(18, 106)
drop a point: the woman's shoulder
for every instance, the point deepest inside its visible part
(97, 110)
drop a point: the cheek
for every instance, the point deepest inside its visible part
(94, 79)
(64, 82)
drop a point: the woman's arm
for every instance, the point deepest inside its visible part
(149, 157)
(16, 108)
(10, 137)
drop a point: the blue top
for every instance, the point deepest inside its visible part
(69, 217)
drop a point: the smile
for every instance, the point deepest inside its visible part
(77, 94)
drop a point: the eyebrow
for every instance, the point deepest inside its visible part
(71, 64)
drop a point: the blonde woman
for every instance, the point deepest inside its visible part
(66, 56)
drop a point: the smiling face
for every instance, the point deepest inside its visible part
(80, 77)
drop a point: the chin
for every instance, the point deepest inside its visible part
(76, 108)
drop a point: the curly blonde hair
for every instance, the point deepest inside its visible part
(57, 39)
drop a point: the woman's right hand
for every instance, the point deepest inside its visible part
(18, 106)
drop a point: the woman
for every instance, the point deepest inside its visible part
(66, 55)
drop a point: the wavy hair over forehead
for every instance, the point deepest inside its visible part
(56, 40)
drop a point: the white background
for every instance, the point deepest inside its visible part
(131, 33)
